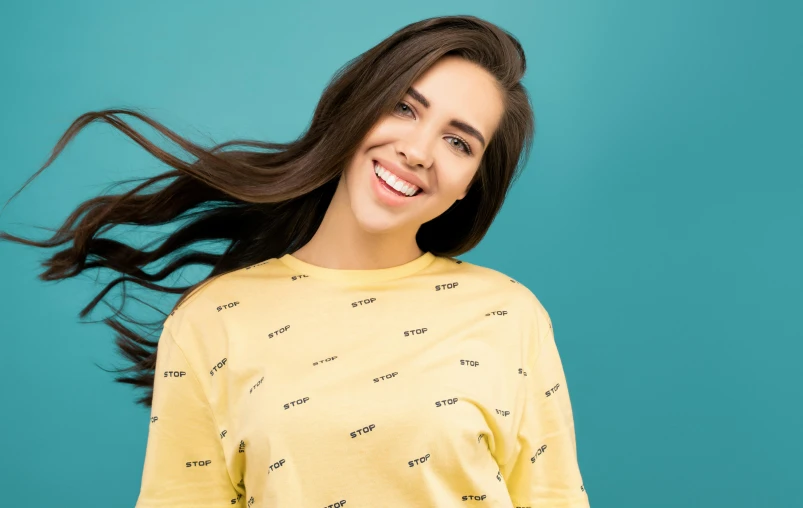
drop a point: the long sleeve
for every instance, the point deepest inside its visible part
(184, 460)
(546, 473)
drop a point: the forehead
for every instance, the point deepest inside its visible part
(459, 89)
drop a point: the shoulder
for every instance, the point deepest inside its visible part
(522, 297)
(202, 307)
(497, 280)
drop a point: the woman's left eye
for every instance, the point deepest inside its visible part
(466, 148)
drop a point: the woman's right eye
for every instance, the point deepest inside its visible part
(405, 105)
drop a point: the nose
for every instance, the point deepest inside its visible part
(417, 148)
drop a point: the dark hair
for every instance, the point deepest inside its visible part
(269, 202)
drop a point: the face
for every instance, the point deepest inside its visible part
(434, 140)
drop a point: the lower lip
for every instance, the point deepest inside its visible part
(388, 196)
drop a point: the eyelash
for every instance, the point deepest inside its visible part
(463, 141)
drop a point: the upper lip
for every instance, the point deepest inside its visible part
(401, 173)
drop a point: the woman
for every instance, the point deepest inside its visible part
(338, 354)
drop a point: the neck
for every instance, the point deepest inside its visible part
(341, 243)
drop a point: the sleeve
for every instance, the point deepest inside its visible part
(184, 460)
(546, 473)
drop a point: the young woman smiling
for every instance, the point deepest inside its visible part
(338, 354)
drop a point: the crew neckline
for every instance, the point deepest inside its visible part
(358, 276)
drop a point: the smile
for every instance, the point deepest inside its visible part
(394, 182)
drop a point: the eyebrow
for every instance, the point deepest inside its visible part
(463, 126)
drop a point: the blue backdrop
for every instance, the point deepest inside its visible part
(667, 174)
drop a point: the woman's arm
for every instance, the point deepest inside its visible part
(546, 473)
(184, 460)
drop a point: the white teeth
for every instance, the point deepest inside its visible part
(397, 183)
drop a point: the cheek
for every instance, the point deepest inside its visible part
(380, 133)
(351, 179)
(454, 186)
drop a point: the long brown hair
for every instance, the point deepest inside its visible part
(267, 199)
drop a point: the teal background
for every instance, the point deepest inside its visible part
(659, 220)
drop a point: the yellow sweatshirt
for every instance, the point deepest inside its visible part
(436, 383)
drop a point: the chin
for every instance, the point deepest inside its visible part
(376, 223)
(374, 218)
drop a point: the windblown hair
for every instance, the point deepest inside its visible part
(268, 199)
